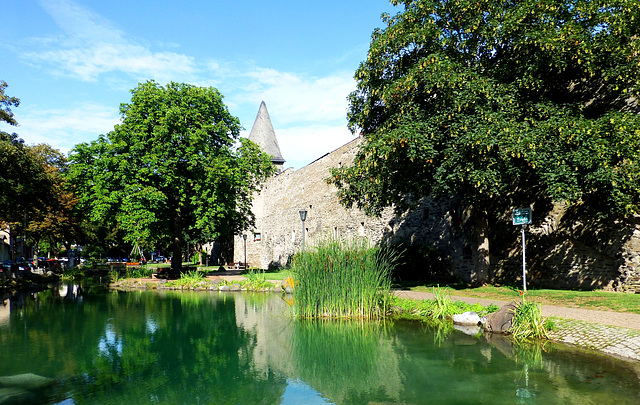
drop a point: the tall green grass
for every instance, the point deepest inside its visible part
(527, 322)
(343, 279)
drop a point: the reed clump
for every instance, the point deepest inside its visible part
(343, 279)
(528, 323)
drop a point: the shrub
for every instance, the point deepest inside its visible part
(72, 274)
(441, 307)
(138, 272)
(527, 322)
(255, 281)
(189, 279)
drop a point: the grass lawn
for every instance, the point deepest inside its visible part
(278, 275)
(598, 300)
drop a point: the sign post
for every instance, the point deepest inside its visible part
(522, 216)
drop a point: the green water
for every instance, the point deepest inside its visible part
(236, 348)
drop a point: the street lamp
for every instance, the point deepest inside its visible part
(244, 236)
(303, 217)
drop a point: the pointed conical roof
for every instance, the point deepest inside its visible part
(262, 133)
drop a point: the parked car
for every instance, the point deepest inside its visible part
(50, 265)
(25, 266)
(6, 266)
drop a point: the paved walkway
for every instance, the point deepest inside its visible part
(614, 333)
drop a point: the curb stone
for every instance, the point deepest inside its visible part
(612, 340)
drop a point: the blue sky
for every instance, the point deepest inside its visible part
(71, 63)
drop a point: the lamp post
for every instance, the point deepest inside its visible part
(303, 217)
(244, 236)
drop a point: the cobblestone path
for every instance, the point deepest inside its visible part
(612, 340)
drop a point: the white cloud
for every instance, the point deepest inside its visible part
(64, 128)
(298, 99)
(302, 145)
(308, 113)
(89, 63)
(91, 46)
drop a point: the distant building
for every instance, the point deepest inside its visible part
(5, 245)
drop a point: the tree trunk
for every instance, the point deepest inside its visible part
(482, 271)
(176, 227)
(199, 253)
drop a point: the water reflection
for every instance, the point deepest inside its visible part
(148, 347)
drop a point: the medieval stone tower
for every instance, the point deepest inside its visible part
(263, 135)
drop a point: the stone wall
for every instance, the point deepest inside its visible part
(563, 250)
(574, 249)
(278, 230)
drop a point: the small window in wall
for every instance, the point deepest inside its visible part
(361, 230)
(335, 232)
(257, 237)
(293, 236)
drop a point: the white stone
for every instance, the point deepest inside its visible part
(467, 318)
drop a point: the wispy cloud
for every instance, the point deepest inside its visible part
(308, 111)
(89, 46)
(299, 98)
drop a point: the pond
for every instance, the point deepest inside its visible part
(69, 345)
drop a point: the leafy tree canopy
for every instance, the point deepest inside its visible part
(171, 171)
(33, 188)
(500, 102)
(23, 182)
(55, 222)
(5, 105)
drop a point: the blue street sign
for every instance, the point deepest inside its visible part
(522, 216)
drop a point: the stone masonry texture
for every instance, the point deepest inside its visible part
(564, 249)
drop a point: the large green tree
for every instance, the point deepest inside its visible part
(33, 191)
(24, 185)
(174, 170)
(500, 102)
(56, 222)
(23, 181)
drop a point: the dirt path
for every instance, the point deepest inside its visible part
(624, 320)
